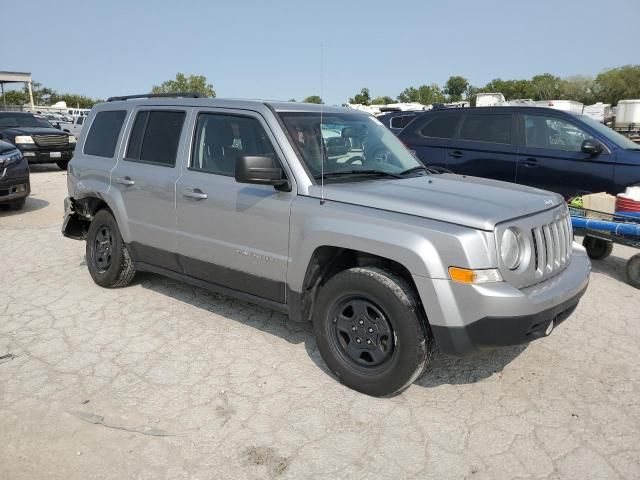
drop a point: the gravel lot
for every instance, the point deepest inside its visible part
(163, 380)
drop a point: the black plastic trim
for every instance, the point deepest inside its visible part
(501, 331)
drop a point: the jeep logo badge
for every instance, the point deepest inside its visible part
(548, 202)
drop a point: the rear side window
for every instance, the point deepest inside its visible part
(103, 135)
(401, 121)
(493, 128)
(155, 137)
(440, 127)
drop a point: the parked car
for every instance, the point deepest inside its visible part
(381, 256)
(14, 177)
(396, 121)
(36, 138)
(74, 127)
(541, 147)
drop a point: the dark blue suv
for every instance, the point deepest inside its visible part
(541, 147)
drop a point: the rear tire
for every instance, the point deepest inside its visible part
(371, 331)
(597, 249)
(633, 270)
(62, 164)
(108, 259)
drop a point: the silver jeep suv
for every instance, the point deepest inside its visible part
(321, 213)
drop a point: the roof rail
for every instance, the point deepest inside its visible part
(158, 95)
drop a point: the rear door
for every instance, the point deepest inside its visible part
(429, 135)
(485, 146)
(550, 157)
(146, 179)
(232, 234)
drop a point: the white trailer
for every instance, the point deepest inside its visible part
(566, 105)
(489, 99)
(628, 115)
(600, 112)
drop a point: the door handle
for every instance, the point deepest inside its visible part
(195, 193)
(530, 162)
(456, 154)
(125, 181)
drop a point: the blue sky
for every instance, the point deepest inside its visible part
(271, 49)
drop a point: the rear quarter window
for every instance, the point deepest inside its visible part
(104, 132)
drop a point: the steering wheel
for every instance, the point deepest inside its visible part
(355, 159)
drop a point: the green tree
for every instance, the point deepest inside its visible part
(382, 100)
(455, 87)
(424, 94)
(184, 84)
(362, 98)
(579, 88)
(313, 99)
(511, 89)
(291, 100)
(618, 84)
(546, 87)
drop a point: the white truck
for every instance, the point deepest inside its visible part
(75, 127)
(600, 112)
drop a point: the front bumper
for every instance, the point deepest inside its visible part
(14, 182)
(465, 318)
(40, 154)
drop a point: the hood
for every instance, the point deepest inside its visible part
(6, 147)
(474, 202)
(12, 132)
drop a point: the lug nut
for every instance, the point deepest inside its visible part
(370, 330)
(358, 340)
(368, 342)
(361, 322)
(353, 329)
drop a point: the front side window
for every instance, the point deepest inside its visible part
(221, 139)
(440, 127)
(104, 132)
(344, 144)
(155, 137)
(553, 133)
(493, 128)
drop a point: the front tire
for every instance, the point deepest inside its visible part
(63, 164)
(371, 331)
(633, 270)
(108, 259)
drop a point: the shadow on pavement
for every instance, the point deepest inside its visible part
(32, 204)
(43, 167)
(442, 369)
(612, 266)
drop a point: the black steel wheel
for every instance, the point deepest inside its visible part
(371, 330)
(597, 249)
(101, 253)
(108, 259)
(633, 270)
(362, 334)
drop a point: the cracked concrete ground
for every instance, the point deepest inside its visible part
(163, 380)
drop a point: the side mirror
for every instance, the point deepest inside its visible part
(591, 147)
(261, 170)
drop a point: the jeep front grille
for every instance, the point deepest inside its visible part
(51, 140)
(551, 246)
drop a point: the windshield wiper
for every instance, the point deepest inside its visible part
(418, 168)
(341, 173)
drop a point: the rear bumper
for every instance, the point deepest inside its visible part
(465, 318)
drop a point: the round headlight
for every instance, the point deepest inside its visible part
(510, 250)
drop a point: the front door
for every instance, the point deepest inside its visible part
(550, 157)
(146, 178)
(232, 234)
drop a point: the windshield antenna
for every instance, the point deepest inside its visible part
(321, 139)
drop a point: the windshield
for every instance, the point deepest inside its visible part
(13, 120)
(612, 135)
(351, 142)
